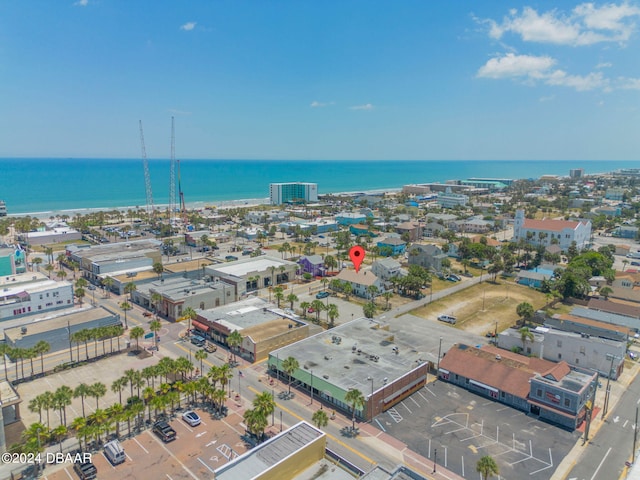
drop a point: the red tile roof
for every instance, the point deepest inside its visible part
(501, 369)
(548, 224)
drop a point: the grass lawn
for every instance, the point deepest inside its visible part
(478, 308)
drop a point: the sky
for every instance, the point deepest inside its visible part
(335, 79)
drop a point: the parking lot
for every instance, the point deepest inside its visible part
(195, 454)
(456, 428)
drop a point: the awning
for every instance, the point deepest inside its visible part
(478, 384)
(200, 326)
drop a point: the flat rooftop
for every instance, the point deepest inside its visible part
(8, 395)
(348, 354)
(21, 278)
(57, 320)
(268, 454)
(246, 314)
(240, 268)
(187, 266)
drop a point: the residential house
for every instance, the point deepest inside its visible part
(533, 278)
(360, 281)
(391, 246)
(428, 256)
(412, 229)
(625, 231)
(387, 268)
(611, 306)
(474, 225)
(615, 193)
(433, 229)
(586, 326)
(313, 264)
(546, 232)
(350, 218)
(360, 229)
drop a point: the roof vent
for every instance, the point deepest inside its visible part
(23, 330)
(498, 357)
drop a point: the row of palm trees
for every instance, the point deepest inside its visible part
(155, 388)
(22, 354)
(104, 333)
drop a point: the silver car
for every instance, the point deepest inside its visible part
(191, 418)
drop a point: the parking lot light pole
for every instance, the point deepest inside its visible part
(439, 353)
(435, 459)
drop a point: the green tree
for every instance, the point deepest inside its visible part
(41, 348)
(525, 311)
(158, 269)
(332, 313)
(155, 327)
(97, 390)
(82, 391)
(606, 292)
(278, 295)
(256, 422)
(305, 307)
(318, 307)
(265, 403)
(125, 306)
(487, 467)
(320, 418)
(202, 356)
(129, 288)
(354, 398)
(290, 365)
(525, 335)
(107, 283)
(136, 333)
(369, 309)
(234, 340)
(292, 298)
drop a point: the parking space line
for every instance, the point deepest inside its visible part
(169, 476)
(427, 389)
(185, 426)
(127, 455)
(380, 425)
(105, 457)
(417, 404)
(145, 450)
(423, 397)
(208, 467)
(157, 440)
(402, 403)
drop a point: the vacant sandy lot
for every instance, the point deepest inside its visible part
(478, 308)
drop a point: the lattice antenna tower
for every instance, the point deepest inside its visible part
(172, 176)
(147, 177)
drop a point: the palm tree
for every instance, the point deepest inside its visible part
(35, 405)
(116, 412)
(46, 400)
(525, 334)
(320, 418)
(201, 355)
(118, 385)
(234, 340)
(387, 296)
(605, 292)
(318, 306)
(264, 403)
(82, 391)
(487, 467)
(189, 314)
(130, 288)
(155, 327)
(290, 365)
(525, 311)
(369, 309)
(136, 334)
(61, 400)
(278, 295)
(41, 348)
(354, 398)
(156, 299)
(125, 306)
(58, 434)
(304, 306)
(61, 274)
(49, 268)
(79, 293)
(97, 390)
(256, 422)
(4, 350)
(291, 298)
(332, 313)
(107, 283)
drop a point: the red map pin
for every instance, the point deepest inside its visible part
(356, 254)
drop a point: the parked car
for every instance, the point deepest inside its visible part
(163, 430)
(85, 470)
(191, 418)
(448, 319)
(311, 310)
(198, 341)
(321, 295)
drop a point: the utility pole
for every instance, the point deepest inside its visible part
(635, 437)
(439, 352)
(435, 459)
(608, 389)
(590, 406)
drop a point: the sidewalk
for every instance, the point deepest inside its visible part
(617, 389)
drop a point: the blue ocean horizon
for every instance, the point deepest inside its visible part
(38, 185)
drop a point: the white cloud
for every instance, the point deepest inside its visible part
(366, 106)
(316, 104)
(532, 70)
(188, 26)
(604, 65)
(625, 83)
(81, 3)
(511, 65)
(585, 25)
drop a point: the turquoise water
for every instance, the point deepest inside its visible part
(47, 184)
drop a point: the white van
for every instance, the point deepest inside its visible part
(114, 452)
(447, 318)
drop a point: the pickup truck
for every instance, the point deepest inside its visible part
(163, 430)
(85, 470)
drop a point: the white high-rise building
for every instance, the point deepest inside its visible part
(296, 192)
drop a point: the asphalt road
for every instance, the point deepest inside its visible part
(605, 455)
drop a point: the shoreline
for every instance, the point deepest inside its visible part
(201, 204)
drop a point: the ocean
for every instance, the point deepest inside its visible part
(38, 185)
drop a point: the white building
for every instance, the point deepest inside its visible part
(29, 293)
(296, 192)
(360, 282)
(448, 199)
(547, 232)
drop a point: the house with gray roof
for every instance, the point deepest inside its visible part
(426, 255)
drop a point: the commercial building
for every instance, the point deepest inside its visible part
(548, 232)
(3, 208)
(177, 293)
(576, 173)
(9, 410)
(602, 355)
(587, 326)
(28, 293)
(262, 326)
(12, 260)
(384, 363)
(554, 392)
(296, 192)
(110, 260)
(250, 274)
(54, 235)
(56, 328)
(448, 199)
(300, 453)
